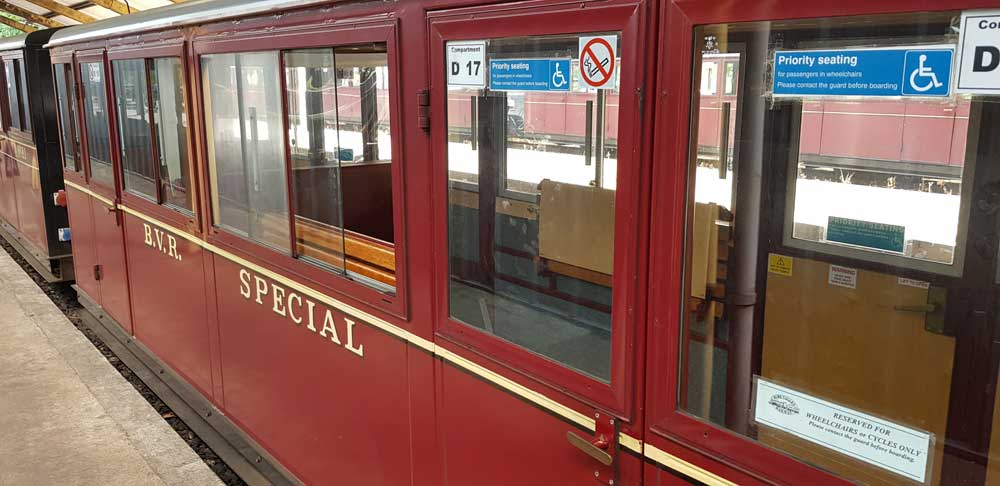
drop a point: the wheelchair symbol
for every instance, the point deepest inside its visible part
(558, 78)
(922, 72)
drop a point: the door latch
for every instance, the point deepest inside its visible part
(98, 273)
(603, 447)
(934, 310)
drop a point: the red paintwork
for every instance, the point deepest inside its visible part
(172, 324)
(81, 223)
(111, 258)
(325, 412)
(398, 415)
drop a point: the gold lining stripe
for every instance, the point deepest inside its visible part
(686, 468)
(630, 443)
(24, 163)
(89, 193)
(537, 398)
(518, 389)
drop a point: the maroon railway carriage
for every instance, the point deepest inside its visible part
(32, 207)
(350, 244)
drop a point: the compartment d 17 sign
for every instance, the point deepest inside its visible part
(466, 64)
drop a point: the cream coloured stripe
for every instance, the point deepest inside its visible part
(686, 468)
(625, 440)
(26, 164)
(630, 443)
(90, 193)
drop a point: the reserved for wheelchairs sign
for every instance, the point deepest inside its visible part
(979, 53)
(883, 71)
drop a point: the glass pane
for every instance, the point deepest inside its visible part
(532, 176)
(13, 98)
(246, 146)
(831, 312)
(67, 115)
(170, 120)
(26, 105)
(365, 155)
(95, 117)
(312, 135)
(134, 133)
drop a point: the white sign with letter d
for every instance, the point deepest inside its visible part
(979, 53)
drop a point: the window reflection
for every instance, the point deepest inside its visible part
(170, 119)
(532, 177)
(246, 146)
(134, 131)
(95, 116)
(825, 259)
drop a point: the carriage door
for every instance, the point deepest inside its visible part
(538, 185)
(100, 159)
(840, 296)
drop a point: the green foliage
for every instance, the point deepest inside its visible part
(6, 31)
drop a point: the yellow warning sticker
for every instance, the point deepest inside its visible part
(780, 264)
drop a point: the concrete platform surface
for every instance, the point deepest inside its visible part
(67, 417)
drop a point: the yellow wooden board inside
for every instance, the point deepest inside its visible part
(576, 225)
(852, 347)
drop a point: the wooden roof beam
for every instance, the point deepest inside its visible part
(57, 8)
(116, 6)
(17, 25)
(28, 15)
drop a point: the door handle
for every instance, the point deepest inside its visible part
(597, 448)
(923, 308)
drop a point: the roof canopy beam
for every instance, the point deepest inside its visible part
(115, 6)
(28, 15)
(17, 25)
(60, 9)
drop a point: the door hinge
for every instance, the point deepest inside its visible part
(424, 109)
(98, 272)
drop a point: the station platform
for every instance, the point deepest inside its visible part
(67, 417)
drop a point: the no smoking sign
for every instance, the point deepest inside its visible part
(598, 60)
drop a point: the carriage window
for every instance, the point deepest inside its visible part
(95, 117)
(171, 126)
(830, 312)
(531, 203)
(23, 84)
(246, 146)
(338, 122)
(134, 130)
(65, 93)
(13, 94)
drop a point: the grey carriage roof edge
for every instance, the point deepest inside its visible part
(171, 16)
(11, 43)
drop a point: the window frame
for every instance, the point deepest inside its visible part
(175, 216)
(16, 58)
(68, 58)
(70, 75)
(90, 57)
(342, 33)
(21, 71)
(720, 450)
(616, 396)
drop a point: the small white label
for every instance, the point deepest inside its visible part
(599, 61)
(979, 53)
(867, 438)
(843, 277)
(466, 64)
(909, 282)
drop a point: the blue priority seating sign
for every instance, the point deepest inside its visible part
(917, 71)
(530, 74)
